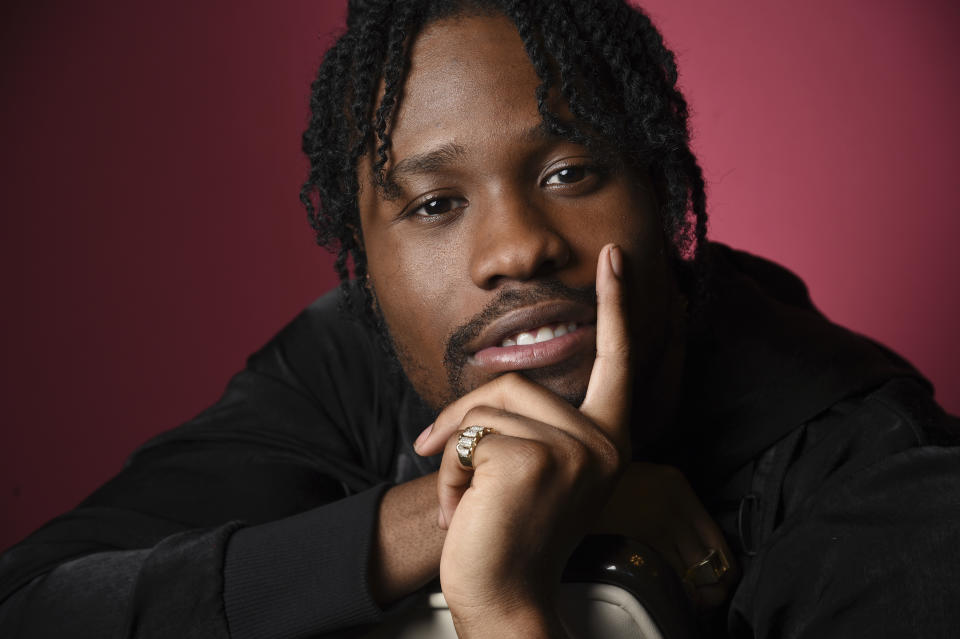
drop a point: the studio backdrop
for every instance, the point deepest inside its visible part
(152, 236)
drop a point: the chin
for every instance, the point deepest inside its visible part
(567, 381)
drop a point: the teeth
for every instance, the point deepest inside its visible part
(542, 334)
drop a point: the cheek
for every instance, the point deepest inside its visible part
(414, 282)
(638, 230)
(624, 215)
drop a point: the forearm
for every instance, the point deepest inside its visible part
(408, 541)
(527, 619)
(300, 575)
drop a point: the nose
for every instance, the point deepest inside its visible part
(514, 239)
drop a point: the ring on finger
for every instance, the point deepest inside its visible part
(467, 443)
(709, 570)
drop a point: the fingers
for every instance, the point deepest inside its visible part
(703, 536)
(711, 537)
(709, 596)
(655, 504)
(506, 394)
(607, 399)
(453, 480)
(513, 437)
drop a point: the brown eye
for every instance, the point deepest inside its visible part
(439, 206)
(567, 175)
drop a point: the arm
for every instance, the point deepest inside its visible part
(408, 541)
(300, 573)
(295, 448)
(179, 585)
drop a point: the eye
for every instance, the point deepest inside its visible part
(438, 206)
(568, 175)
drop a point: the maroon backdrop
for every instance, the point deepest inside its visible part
(152, 236)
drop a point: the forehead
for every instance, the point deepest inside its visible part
(465, 72)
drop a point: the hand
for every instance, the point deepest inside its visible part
(537, 480)
(656, 505)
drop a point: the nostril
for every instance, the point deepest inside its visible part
(526, 249)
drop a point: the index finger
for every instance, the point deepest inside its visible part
(607, 401)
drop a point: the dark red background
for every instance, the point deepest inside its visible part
(152, 236)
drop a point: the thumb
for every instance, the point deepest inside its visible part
(607, 400)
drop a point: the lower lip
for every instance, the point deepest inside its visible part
(500, 359)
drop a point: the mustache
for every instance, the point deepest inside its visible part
(455, 354)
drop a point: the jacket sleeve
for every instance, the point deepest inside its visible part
(859, 533)
(255, 519)
(303, 574)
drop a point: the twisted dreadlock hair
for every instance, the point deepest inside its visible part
(605, 58)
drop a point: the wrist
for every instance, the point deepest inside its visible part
(526, 620)
(407, 543)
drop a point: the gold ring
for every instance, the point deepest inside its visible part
(709, 570)
(467, 443)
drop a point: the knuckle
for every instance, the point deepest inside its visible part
(577, 457)
(610, 458)
(478, 415)
(532, 457)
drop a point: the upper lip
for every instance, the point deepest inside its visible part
(530, 317)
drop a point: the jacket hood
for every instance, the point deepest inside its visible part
(762, 360)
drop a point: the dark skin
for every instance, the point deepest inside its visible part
(492, 229)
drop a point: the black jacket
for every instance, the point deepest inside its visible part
(821, 454)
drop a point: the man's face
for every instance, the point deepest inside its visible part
(490, 238)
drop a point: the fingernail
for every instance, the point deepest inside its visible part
(616, 261)
(422, 437)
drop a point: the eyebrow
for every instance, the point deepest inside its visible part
(442, 157)
(428, 162)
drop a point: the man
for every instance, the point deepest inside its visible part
(513, 187)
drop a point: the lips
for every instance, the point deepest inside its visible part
(534, 336)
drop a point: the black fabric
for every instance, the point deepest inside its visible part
(762, 361)
(274, 571)
(857, 534)
(821, 454)
(299, 436)
(179, 584)
(54, 605)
